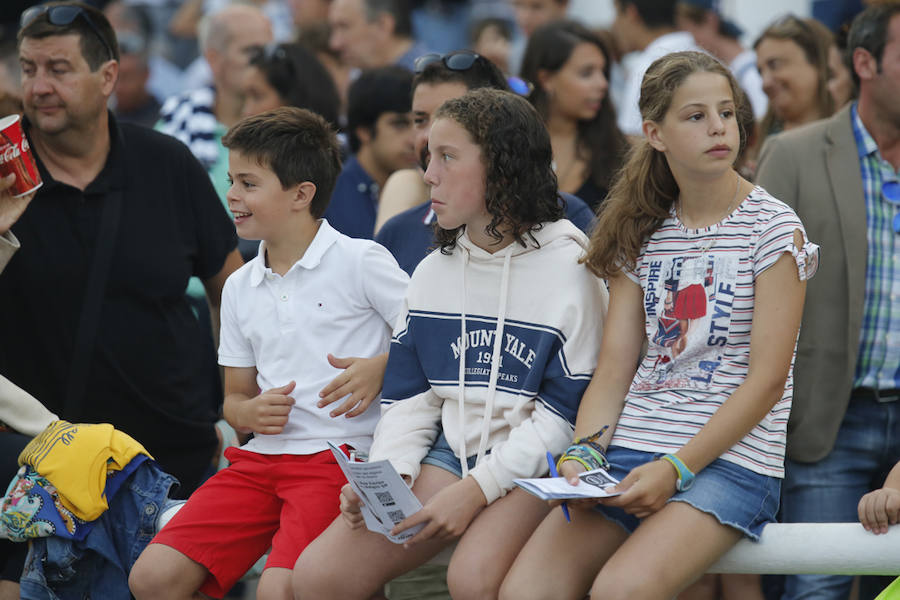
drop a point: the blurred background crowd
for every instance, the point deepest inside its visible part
(167, 50)
(193, 68)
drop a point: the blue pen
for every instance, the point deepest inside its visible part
(553, 473)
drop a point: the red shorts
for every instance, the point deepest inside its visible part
(282, 501)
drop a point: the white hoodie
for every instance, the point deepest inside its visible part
(531, 319)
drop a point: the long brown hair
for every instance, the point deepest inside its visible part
(600, 143)
(815, 40)
(644, 189)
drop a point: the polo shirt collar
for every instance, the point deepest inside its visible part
(865, 143)
(325, 237)
(360, 179)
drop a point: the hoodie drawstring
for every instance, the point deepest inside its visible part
(464, 464)
(495, 361)
(495, 358)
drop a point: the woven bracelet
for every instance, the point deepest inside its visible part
(593, 437)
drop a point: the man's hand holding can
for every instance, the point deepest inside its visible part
(19, 176)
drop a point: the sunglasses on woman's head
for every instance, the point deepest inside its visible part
(62, 15)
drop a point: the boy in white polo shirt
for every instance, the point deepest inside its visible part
(310, 295)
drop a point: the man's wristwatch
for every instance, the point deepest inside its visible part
(685, 476)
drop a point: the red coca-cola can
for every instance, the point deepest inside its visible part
(16, 157)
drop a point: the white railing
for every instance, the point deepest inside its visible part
(824, 548)
(793, 548)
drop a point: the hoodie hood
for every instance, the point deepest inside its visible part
(550, 232)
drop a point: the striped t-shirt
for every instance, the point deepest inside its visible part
(698, 301)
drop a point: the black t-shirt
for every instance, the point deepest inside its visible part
(148, 373)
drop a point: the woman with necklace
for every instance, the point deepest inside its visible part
(569, 67)
(698, 421)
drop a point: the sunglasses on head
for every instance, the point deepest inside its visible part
(62, 15)
(463, 60)
(459, 60)
(891, 192)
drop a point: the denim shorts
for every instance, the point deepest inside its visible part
(442, 455)
(735, 496)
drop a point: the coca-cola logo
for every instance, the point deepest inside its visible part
(25, 146)
(11, 152)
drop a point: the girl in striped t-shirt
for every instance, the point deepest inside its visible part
(709, 272)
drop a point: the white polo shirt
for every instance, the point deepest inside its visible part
(342, 297)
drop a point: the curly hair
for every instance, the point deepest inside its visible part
(600, 143)
(645, 188)
(520, 185)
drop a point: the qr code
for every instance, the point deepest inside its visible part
(385, 498)
(395, 516)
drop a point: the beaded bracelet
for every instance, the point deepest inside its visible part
(599, 450)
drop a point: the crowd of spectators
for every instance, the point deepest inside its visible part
(816, 99)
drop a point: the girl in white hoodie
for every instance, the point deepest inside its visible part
(496, 344)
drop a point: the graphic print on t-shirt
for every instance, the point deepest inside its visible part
(688, 301)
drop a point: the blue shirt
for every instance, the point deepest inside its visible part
(354, 202)
(878, 361)
(409, 236)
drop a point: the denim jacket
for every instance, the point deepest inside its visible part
(98, 567)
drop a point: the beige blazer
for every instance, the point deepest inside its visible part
(815, 170)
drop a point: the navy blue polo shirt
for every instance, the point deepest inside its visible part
(354, 202)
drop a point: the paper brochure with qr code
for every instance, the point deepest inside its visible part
(387, 499)
(592, 484)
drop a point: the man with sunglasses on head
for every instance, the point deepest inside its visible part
(92, 307)
(841, 176)
(409, 235)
